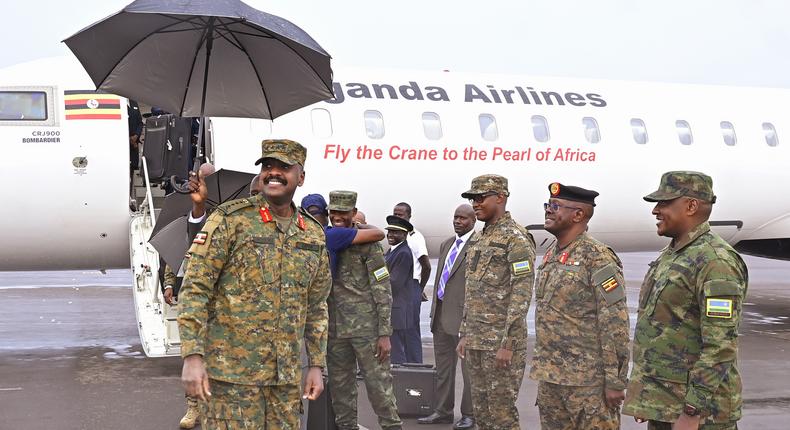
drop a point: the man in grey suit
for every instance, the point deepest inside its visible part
(446, 312)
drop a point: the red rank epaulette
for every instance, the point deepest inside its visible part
(266, 216)
(302, 225)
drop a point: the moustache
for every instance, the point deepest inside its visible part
(280, 179)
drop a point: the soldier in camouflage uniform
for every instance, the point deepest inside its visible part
(499, 278)
(254, 291)
(360, 307)
(581, 321)
(685, 373)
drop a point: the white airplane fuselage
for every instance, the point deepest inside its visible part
(66, 181)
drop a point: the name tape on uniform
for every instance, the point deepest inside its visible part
(381, 273)
(718, 308)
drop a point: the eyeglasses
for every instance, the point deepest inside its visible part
(556, 206)
(480, 197)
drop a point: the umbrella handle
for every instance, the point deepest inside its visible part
(183, 188)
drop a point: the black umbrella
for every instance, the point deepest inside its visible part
(205, 58)
(169, 236)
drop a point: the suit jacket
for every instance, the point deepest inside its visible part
(400, 264)
(454, 290)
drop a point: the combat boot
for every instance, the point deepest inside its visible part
(191, 417)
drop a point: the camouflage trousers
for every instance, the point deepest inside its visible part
(342, 358)
(660, 425)
(564, 407)
(495, 390)
(251, 407)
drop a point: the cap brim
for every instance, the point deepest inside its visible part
(396, 227)
(660, 196)
(472, 193)
(282, 158)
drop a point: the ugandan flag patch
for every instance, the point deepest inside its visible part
(381, 273)
(609, 284)
(200, 238)
(87, 104)
(520, 267)
(718, 308)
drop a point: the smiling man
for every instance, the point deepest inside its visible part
(254, 292)
(581, 320)
(685, 373)
(499, 279)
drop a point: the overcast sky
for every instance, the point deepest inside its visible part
(702, 41)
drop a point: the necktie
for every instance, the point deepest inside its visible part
(448, 267)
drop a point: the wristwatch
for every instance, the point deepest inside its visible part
(690, 410)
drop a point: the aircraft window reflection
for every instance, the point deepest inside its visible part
(728, 133)
(540, 128)
(23, 106)
(591, 131)
(322, 123)
(771, 138)
(374, 124)
(684, 132)
(432, 125)
(639, 130)
(488, 127)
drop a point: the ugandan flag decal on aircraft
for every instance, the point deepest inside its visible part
(88, 104)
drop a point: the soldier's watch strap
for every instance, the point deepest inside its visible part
(690, 410)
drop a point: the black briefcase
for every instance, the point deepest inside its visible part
(167, 146)
(415, 388)
(320, 415)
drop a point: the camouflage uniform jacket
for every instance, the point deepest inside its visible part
(499, 278)
(253, 292)
(581, 317)
(686, 338)
(360, 304)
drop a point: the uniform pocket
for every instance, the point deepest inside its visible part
(230, 406)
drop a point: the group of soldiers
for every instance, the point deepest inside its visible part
(264, 279)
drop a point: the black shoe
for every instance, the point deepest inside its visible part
(465, 423)
(435, 418)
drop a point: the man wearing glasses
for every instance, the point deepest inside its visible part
(581, 320)
(499, 278)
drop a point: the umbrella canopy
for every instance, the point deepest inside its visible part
(205, 58)
(170, 234)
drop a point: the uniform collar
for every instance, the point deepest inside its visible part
(691, 236)
(267, 216)
(502, 220)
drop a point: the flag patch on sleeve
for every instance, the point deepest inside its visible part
(520, 267)
(609, 284)
(381, 273)
(718, 308)
(200, 238)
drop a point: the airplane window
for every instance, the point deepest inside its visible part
(540, 128)
(639, 130)
(591, 131)
(23, 106)
(728, 133)
(374, 124)
(431, 125)
(488, 128)
(322, 123)
(771, 138)
(684, 132)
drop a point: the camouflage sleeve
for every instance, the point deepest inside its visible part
(612, 319)
(208, 254)
(721, 287)
(170, 277)
(520, 259)
(316, 325)
(379, 279)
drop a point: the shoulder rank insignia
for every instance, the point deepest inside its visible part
(718, 308)
(520, 267)
(381, 273)
(200, 238)
(609, 284)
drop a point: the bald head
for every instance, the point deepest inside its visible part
(360, 217)
(255, 185)
(464, 219)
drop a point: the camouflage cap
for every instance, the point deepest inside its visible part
(683, 184)
(486, 184)
(288, 151)
(342, 201)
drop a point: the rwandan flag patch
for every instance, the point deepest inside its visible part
(381, 273)
(609, 284)
(718, 308)
(200, 238)
(520, 267)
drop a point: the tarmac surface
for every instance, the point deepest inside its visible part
(70, 355)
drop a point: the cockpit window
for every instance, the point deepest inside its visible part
(23, 106)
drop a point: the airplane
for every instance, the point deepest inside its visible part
(394, 136)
